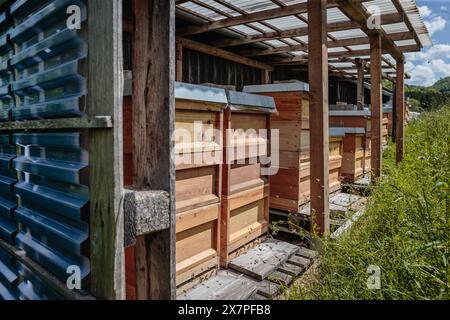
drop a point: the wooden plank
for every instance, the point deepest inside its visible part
(300, 261)
(216, 52)
(400, 110)
(376, 105)
(263, 260)
(307, 253)
(105, 87)
(281, 278)
(153, 125)
(225, 286)
(291, 269)
(319, 136)
(88, 122)
(265, 288)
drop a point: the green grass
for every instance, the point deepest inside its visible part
(405, 231)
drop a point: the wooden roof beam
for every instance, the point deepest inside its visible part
(408, 23)
(204, 48)
(299, 32)
(331, 44)
(247, 18)
(356, 12)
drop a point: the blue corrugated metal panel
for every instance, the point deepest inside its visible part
(8, 227)
(17, 282)
(6, 75)
(9, 277)
(49, 84)
(52, 200)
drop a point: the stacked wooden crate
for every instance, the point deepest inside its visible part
(353, 154)
(199, 151)
(198, 158)
(387, 114)
(245, 185)
(290, 187)
(355, 119)
(336, 143)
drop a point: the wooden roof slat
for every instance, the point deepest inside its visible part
(247, 18)
(204, 48)
(331, 44)
(356, 12)
(299, 32)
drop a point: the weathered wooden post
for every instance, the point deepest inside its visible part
(318, 81)
(360, 64)
(400, 109)
(153, 146)
(105, 87)
(376, 103)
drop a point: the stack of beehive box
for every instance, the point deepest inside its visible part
(387, 114)
(199, 151)
(245, 203)
(290, 187)
(355, 119)
(336, 141)
(353, 154)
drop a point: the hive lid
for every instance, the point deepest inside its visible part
(245, 101)
(343, 107)
(387, 109)
(346, 130)
(186, 91)
(348, 113)
(278, 87)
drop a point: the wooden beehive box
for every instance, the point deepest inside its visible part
(245, 187)
(336, 141)
(353, 154)
(355, 119)
(289, 188)
(199, 151)
(387, 118)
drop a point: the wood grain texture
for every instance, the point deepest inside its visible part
(400, 110)
(376, 104)
(105, 87)
(318, 80)
(153, 148)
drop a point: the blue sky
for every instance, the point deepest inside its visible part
(432, 63)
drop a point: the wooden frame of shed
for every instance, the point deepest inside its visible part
(331, 37)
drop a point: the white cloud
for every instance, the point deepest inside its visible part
(424, 11)
(443, 8)
(426, 73)
(436, 24)
(438, 51)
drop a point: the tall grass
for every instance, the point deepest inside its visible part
(405, 231)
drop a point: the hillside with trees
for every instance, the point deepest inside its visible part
(429, 98)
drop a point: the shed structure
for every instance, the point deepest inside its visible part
(65, 207)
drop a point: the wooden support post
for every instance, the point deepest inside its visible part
(265, 76)
(105, 87)
(319, 135)
(400, 109)
(179, 61)
(376, 104)
(153, 148)
(360, 84)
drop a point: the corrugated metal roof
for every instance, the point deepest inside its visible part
(299, 20)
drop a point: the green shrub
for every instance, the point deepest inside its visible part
(405, 230)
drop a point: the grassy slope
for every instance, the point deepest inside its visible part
(406, 230)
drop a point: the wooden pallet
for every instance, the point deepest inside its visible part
(260, 274)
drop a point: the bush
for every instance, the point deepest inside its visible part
(405, 230)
